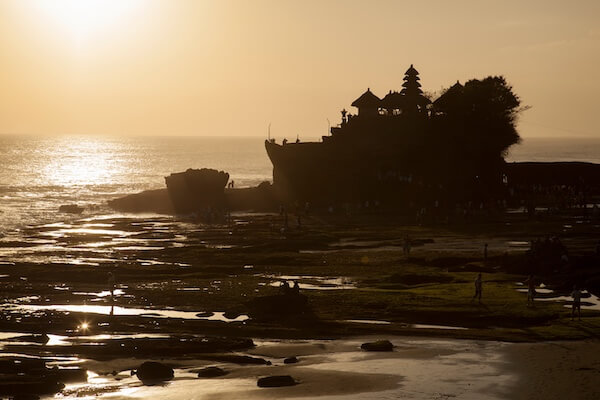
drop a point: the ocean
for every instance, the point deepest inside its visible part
(39, 174)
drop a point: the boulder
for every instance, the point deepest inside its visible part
(291, 360)
(379, 345)
(211, 372)
(200, 191)
(152, 372)
(276, 381)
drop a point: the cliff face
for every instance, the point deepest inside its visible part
(197, 190)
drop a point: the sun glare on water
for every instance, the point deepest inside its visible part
(83, 18)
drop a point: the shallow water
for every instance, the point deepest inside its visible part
(588, 300)
(118, 310)
(311, 282)
(340, 370)
(111, 239)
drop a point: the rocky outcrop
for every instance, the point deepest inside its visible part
(154, 201)
(291, 360)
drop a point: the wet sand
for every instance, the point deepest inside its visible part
(556, 370)
(431, 368)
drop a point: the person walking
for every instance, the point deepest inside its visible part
(576, 295)
(478, 288)
(406, 246)
(530, 290)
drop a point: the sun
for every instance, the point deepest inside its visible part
(83, 18)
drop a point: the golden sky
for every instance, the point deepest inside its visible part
(200, 67)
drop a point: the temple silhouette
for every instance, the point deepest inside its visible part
(405, 147)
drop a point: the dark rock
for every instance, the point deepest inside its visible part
(236, 359)
(29, 366)
(291, 360)
(70, 375)
(276, 381)
(231, 314)
(211, 372)
(380, 345)
(20, 386)
(43, 338)
(152, 372)
(205, 314)
(26, 397)
(70, 209)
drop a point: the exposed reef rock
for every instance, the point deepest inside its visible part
(258, 198)
(155, 201)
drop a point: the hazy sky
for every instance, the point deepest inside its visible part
(177, 67)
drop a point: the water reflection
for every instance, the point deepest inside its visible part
(118, 310)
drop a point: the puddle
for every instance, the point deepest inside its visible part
(425, 326)
(104, 293)
(518, 243)
(588, 300)
(367, 321)
(309, 282)
(118, 310)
